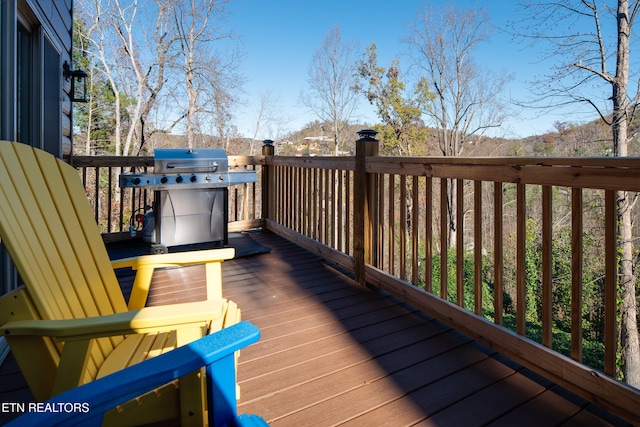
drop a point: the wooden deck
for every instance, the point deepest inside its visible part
(333, 352)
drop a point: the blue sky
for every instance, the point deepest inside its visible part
(278, 38)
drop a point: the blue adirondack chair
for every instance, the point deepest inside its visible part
(85, 405)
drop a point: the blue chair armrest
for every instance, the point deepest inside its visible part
(95, 398)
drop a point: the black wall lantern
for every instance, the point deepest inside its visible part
(78, 82)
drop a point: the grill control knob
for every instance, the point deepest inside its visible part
(164, 180)
(178, 179)
(136, 181)
(193, 178)
(207, 178)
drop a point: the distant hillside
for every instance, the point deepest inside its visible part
(591, 139)
(315, 139)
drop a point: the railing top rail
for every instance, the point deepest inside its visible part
(602, 173)
(147, 161)
(618, 162)
(342, 163)
(246, 160)
(345, 162)
(111, 161)
(608, 173)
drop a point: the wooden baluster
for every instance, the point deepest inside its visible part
(610, 283)
(576, 274)
(414, 232)
(477, 246)
(444, 232)
(403, 227)
(497, 253)
(521, 279)
(428, 234)
(547, 267)
(460, 242)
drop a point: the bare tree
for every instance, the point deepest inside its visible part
(210, 77)
(467, 97)
(101, 47)
(331, 81)
(160, 52)
(223, 89)
(124, 21)
(162, 45)
(266, 114)
(117, 36)
(148, 75)
(590, 40)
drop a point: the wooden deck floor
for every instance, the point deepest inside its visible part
(334, 353)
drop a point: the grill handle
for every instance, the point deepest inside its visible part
(213, 167)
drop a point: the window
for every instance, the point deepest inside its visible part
(25, 89)
(51, 90)
(38, 87)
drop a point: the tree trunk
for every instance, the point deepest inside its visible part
(629, 342)
(630, 345)
(191, 109)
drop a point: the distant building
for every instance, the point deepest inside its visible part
(317, 139)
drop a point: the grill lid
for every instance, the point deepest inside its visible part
(180, 160)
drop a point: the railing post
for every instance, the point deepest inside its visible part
(267, 150)
(364, 207)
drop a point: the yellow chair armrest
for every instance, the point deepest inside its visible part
(175, 259)
(146, 264)
(144, 320)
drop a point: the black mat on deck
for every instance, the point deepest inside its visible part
(241, 242)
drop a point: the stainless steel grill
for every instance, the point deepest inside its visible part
(191, 196)
(197, 168)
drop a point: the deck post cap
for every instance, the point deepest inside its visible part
(367, 135)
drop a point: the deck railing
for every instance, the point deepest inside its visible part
(453, 237)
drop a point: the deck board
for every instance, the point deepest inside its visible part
(335, 353)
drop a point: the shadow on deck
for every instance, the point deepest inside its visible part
(333, 352)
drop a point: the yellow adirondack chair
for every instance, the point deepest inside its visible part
(69, 324)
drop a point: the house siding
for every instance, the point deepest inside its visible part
(49, 24)
(56, 18)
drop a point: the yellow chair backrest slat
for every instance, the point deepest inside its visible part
(49, 231)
